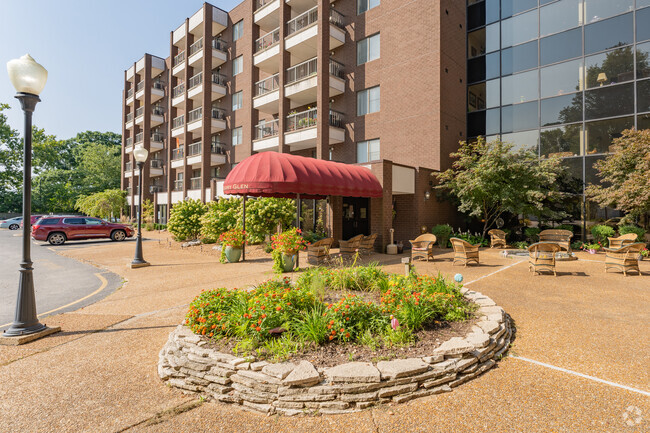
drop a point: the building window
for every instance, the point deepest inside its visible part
(368, 101)
(214, 172)
(237, 136)
(368, 49)
(368, 150)
(237, 30)
(364, 5)
(237, 100)
(237, 65)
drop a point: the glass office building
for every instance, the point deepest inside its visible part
(564, 77)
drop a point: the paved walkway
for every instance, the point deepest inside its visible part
(99, 374)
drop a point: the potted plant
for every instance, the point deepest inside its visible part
(644, 253)
(591, 248)
(285, 246)
(231, 243)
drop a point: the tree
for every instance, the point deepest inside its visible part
(11, 173)
(98, 166)
(625, 175)
(490, 179)
(104, 204)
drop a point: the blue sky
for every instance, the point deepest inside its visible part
(85, 45)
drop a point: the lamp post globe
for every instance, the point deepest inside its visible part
(140, 154)
(28, 78)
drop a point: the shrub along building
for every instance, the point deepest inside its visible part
(364, 82)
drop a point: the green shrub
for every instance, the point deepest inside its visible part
(160, 226)
(265, 213)
(149, 226)
(640, 233)
(568, 227)
(576, 245)
(443, 232)
(601, 233)
(221, 216)
(532, 234)
(472, 239)
(185, 219)
(521, 245)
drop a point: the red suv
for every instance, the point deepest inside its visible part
(32, 220)
(58, 229)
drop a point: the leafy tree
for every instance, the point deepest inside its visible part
(185, 219)
(625, 175)
(222, 215)
(98, 167)
(104, 204)
(490, 179)
(10, 165)
(147, 211)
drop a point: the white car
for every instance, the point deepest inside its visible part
(11, 224)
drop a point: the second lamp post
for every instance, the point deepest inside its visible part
(140, 154)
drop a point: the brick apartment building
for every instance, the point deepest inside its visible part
(380, 84)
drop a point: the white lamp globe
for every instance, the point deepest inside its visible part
(26, 75)
(140, 154)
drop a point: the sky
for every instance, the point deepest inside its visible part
(85, 45)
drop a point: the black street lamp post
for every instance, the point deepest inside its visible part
(140, 154)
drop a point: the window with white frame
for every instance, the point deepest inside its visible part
(237, 100)
(364, 5)
(237, 65)
(237, 136)
(238, 30)
(368, 101)
(368, 49)
(368, 150)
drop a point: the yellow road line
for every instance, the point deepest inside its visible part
(103, 285)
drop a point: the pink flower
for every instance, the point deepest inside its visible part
(394, 323)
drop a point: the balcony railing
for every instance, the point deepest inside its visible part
(218, 113)
(178, 122)
(196, 80)
(336, 119)
(267, 129)
(178, 90)
(178, 153)
(157, 136)
(139, 111)
(157, 110)
(302, 120)
(267, 40)
(178, 185)
(128, 142)
(301, 71)
(261, 3)
(219, 44)
(217, 147)
(336, 68)
(194, 149)
(157, 163)
(337, 18)
(139, 138)
(196, 46)
(267, 85)
(139, 86)
(303, 20)
(128, 166)
(129, 117)
(158, 85)
(218, 78)
(156, 188)
(194, 115)
(179, 58)
(129, 93)
(195, 183)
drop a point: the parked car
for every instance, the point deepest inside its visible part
(59, 229)
(32, 219)
(11, 223)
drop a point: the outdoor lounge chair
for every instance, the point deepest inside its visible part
(351, 246)
(497, 238)
(367, 245)
(560, 237)
(625, 258)
(622, 240)
(541, 257)
(464, 252)
(422, 246)
(319, 251)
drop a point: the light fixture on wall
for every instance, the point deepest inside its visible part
(427, 195)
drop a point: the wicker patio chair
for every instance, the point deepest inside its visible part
(560, 237)
(497, 238)
(541, 257)
(625, 258)
(622, 240)
(422, 246)
(318, 252)
(367, 245)
(351, 246)
(464, 252)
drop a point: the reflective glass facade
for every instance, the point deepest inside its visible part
(563, 77)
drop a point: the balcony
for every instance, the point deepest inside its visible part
(139, 115)
(267, 52)
(139, 90)
(266, 94)
(302, 127)
(177, 125)
(157, 115)
(129, 97)
(178, 63)
(219, 82)
(157, 141)
(128, 145)
(265, 135)
(302, 82)
(302, 34)
(128, 166)
(178, 95)
(267, 14)
(195, 183)
(178, 157)
(156, 167)
(157, 91)
(194, 149)
(218, 117)
(178, 185)
(217, 153)
(139, 138)
(194, 119)
(219, 52)
(128, 172)
(195, 52)
(157, 188)
(129, 120)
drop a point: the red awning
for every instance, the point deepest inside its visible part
(272, 174)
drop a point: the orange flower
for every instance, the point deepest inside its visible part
(258, 329)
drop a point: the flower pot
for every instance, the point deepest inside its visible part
(288, 262)
(232, 254)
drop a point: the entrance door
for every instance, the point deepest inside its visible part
(356, 216)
